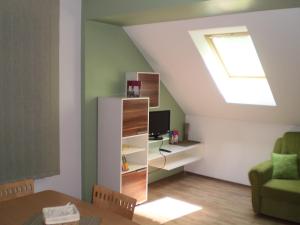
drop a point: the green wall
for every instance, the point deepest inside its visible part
(109, 53)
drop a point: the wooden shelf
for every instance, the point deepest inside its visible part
(135, 116)
(150, 85)
(135, 184)
(134, 167)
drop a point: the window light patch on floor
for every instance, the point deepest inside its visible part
(165, 209)
(232, 61)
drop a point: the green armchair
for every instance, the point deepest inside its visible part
(277, 197)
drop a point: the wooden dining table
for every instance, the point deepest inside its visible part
(20, 210)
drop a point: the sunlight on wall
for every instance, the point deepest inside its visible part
(165, 209)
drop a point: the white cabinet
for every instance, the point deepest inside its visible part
(123, 130)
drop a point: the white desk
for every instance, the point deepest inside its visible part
(179, 156)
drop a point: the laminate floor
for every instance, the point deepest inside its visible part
(190, 199)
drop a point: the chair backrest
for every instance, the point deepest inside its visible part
(102, 196)
(16, 189)
(123, 205)
(277, 146)
(289, 144)
(114, 201)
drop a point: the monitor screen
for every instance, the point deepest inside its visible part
(159, 123)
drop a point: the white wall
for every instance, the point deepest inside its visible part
(232, 147)
(69, 180)
(169, 49)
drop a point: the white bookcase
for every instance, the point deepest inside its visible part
(123, 130)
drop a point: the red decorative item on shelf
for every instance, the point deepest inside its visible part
(133, 88)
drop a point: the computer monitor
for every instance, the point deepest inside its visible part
(159, 124)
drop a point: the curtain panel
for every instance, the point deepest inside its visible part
(29, 89)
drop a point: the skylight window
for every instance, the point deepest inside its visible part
(238, 54)
(232, 60)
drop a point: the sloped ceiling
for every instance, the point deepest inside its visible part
(132, 12)
(169, 49)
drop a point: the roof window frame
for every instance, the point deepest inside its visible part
(209, 39)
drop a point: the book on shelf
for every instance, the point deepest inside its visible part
(125, 166)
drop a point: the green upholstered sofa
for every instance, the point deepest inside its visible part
(277, 197)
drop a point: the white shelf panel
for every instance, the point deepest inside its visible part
(179, 156)
(131, 150)
(155, 141)
(133, 167)
(155, 155)
(135, 136)
(175, 149)
(175, 163)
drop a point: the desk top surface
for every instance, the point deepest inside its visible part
(175, 149)
(19, 210)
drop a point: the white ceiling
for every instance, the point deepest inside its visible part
(276, 34)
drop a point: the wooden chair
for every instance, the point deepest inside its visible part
(123, 205)
(114, 201)
(102, 197)
(16, 189)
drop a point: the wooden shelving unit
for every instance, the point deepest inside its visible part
(135, 117)
(123, 130)
(150, 85)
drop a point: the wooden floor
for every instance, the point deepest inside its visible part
(222, 202)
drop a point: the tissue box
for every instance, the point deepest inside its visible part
(61, 215)
(71, 223)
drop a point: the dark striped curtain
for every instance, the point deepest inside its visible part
(29, 89)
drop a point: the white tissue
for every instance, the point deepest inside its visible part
(61, 214)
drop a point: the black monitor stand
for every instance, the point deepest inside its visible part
(155, 137)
